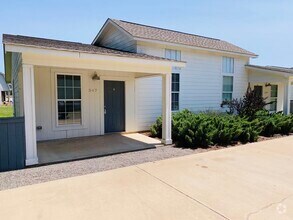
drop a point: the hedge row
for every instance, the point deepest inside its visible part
(202, 130)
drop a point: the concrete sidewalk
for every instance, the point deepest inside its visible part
(254, 181)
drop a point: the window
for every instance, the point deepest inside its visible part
(227, 88)
(228, 65)
(173, 54)
(69, 99)
(274, 97)
(175, 91)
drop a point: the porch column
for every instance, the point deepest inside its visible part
(166, 109)
(287, 97)
(29, 114)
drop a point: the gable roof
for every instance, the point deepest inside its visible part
(73, 46)
(165, 35)
(272, 68)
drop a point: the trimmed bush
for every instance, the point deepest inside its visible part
(202, 130)
(274, 123)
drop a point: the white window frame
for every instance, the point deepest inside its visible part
(229, 74)
(68, 126)
(225, 67)
(176, 53)
(175, 92)
(274, 98)
(226, 92)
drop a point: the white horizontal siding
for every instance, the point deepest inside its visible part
(148, 101)
(200, 84)
(240, 78)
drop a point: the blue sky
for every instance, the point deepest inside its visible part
(261, 26)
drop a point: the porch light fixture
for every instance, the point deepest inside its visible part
(95, 76)
(267, 84)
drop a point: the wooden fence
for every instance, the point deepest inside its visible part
(12, 143)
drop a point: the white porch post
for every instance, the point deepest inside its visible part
(287, 96)
(166, 109)
(29, 114)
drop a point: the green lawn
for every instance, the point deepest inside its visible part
(6, 111)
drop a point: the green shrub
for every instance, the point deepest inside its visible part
(206, 129)
(194, 130)
(156, 128)
(274, 123)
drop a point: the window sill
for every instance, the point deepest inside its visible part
(68, 127)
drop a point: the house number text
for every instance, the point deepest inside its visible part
(93, 90)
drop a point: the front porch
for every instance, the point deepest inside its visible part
(55, 151)
(275, 84)
(66, 93)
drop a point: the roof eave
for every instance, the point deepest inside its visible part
(262, 69)
(194, 47)
(21, 46)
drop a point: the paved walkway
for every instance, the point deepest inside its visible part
(254, 181)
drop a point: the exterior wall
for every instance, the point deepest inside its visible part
(116, 39)
(291, 91)
(200, 83)
(17, 82)
(92, 103)
(148, 101)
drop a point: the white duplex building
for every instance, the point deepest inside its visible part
(128, 76)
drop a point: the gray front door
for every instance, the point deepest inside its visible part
(114, 101)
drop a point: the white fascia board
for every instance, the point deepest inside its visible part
(264, 71)
(193, 47)
(85, 55)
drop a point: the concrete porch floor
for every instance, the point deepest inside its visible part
(85, 147)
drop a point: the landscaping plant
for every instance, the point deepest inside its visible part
(202, 130)
(247, 106)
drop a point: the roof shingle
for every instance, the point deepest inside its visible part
(170, 36)
(73, 46)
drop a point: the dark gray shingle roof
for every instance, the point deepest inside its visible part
(160, 34)
(72, 46)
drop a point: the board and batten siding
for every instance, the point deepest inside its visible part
(117, 39)
(92, 108)
(200, 83)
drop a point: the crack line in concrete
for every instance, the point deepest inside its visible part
(267, 206)
(183, 193)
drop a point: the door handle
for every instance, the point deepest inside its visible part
(105, 111)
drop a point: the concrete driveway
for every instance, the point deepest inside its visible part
(254, 181)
